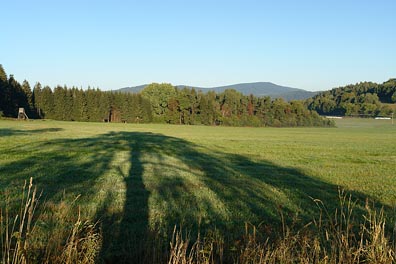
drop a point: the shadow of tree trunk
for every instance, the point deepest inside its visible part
(191, 186)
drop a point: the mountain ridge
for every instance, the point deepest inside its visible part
(256, 88)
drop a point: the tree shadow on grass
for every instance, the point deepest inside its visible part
(7, 132)
(166, 181)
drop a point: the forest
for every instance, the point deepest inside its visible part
(365, 99)
(158, 103)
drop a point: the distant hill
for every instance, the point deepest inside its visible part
(135, 89)
(256, 88)
(295, 95)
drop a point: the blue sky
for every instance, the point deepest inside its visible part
(313, 45)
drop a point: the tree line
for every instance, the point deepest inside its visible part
(70, 104)
(159, 103)
(361, 99)
(231, 108)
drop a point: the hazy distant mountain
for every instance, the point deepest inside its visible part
(295, 95)
(134, 89)
(257, 89)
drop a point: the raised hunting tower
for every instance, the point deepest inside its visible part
(22, 114)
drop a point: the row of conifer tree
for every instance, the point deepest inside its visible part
(159, 103)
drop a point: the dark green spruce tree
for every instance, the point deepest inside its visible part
(27, 101)
(37, 100)
(4, 96)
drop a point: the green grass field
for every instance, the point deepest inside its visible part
(139, 179)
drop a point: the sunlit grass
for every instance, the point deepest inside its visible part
(135, 179)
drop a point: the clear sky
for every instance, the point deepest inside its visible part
(313, 45)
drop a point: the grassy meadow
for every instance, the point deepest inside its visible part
(137, 182)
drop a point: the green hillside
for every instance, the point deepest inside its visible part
(361, 99)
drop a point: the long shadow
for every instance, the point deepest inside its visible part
(125, 234)
(170, 182)
(57, 165)
(7, 132)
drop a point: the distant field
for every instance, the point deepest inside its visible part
(138, 178)
(363, 123)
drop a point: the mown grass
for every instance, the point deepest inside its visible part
(139, 181)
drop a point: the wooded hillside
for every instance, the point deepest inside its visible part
(361, 99)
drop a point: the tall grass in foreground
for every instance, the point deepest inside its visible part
(28, 237)
(334, 237)
(57, 234)
(16, 230)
